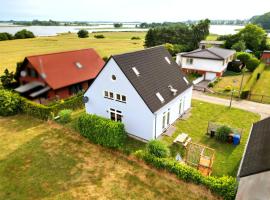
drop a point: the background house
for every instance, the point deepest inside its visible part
(146, 90)
(209, 62)
(254, 170)
(58, 75)
(266, 57)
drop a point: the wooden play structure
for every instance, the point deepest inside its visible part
(201, 157)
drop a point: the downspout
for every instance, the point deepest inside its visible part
(155, 126)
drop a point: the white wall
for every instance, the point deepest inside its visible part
(137, 117)
(174, 109)
(203, 64)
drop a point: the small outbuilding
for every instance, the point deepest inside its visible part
(266, 57)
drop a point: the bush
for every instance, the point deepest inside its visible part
(5, 36)
(117, 25)
(105, 58)
(239, 46)
(135, 38)
(102, 131)
(228, 88)
(223, 186)
(210, 85)
(10, 103)
(244, 57)
(157, 148)
(65, 116)
(7, 79)
(222, 133)
(23, 34)
(252, 63)
(83, 33)
(99, 36)
(244, 94)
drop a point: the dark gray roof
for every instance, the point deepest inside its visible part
(214, 53)
(257, 155)
(156, 74)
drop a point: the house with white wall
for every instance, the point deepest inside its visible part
(145, 90)
(210, 62)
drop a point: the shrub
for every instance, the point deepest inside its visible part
(83, 33)
(7, 79)
(157, 148)
(135, 38)
(252, 64)
(5, 36)
(24, 34)
(210, 85)
(239, 46)
(222, 133)
(65, 116)
(102, 131)
(244, 94)
(244, 57)
(105, 58)
(99, 36)
(10, 103)
(117, 25)
(228, 88)
(223, 186)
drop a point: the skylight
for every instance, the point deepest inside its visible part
(136, 71)
(185, 79)
(160, 97)
(79, 65)
(168, 60)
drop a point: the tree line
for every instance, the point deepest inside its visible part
(182, 37)
(23, 34)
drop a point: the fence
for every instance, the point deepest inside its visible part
(259, 98)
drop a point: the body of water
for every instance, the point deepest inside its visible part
(54, 30)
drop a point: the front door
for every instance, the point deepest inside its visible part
(166, 120)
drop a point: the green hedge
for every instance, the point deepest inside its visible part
(102, 131)
(223, 186)
(9, 103)
(252, 80)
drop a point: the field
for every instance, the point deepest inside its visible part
(14, 51)
(227, 156)
(262, 87)
(40, 160)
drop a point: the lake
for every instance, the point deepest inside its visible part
(54, 30)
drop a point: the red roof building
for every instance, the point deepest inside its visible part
(58, 75)
(266, 57)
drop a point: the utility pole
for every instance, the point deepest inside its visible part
(241, 84)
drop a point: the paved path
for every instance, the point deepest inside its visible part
(262, 109)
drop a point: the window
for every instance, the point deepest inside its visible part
(180, 107)
(124, 98)
(118, 97)
(135, 70)
(168, 60)
(116, 115)
(121, 98)
(74, 89)
(111, 95)
(113, 77)
(166, 119)
(189, 61)
(160, 97)
(106, 94)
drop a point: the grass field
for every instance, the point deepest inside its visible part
(227, 156)
(262, 86)
(14, 51)
(40, 160)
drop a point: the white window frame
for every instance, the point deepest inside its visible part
(121, 99)
(189, 61)
(166, 120)
(109, 95)
(116, 113)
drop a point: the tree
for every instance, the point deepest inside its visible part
(23, 34)
(170, 48)
(83, 33)
(157, 148)
(244, 57)
(252, 64)
(239, 46)
(117, 25)
(253, 36)
(7, 79)
(200, 31)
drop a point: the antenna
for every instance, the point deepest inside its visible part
(43, 75)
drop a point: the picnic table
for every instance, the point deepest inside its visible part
(181, 138)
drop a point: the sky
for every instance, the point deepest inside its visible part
(131, 10)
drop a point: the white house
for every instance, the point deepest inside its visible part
(254, 170)
(210, 62)
(146, 90)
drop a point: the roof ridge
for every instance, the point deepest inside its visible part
(208, 49)
(154, 47)
(53, 53)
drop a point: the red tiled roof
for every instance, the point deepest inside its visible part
(61, 69)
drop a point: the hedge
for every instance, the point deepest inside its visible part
(224, 186)
(12, 103)
(252, 80)
(102, 131)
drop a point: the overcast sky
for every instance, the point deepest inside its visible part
(131, 10)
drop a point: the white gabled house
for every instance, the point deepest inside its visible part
(210, 62)
(146, 90)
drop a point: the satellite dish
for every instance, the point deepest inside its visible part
(85, 99)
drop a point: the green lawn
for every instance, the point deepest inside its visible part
(14, 51)
(212, 37)
(262, 86)
(43, 160)
(227, 157)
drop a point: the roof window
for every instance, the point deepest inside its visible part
(79, 65)
(160, 97)
(136, 71)
(185, 79)
(168, 60)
